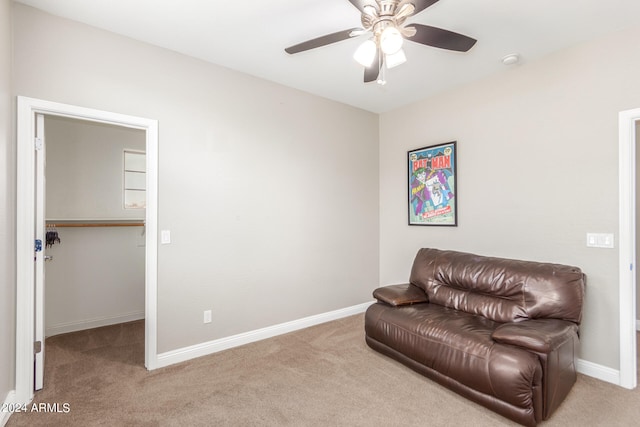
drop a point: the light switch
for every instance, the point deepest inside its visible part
(600, 240)
(165, 237)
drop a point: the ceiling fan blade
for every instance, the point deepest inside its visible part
(324, 40)
(422, 5)
(372, 72)
(360, 4)
(444, 39)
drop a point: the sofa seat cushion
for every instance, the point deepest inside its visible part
(458, 345)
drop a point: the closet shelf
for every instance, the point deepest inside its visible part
(94, 223)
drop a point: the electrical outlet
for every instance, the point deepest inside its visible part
(207, 316)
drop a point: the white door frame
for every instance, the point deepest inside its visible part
(26, 111)
(627, 250)
(39, 259)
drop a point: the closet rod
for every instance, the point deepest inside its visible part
(96, 224)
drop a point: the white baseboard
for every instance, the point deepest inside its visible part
(4, 416)
(599, 372)
(206, 348)
(591, 369)
(63, 328)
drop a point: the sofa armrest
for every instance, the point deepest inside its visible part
(398, 295)
(540, 335)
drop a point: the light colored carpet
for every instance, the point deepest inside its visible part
(320, 376)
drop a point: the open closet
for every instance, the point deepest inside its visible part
(94, 210)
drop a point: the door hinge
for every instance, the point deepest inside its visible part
(39, 142)
(37, 347)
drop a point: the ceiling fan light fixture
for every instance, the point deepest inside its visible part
(370, 10)
(395, 59)
(391, 40)
(405, 10)
(366, 53)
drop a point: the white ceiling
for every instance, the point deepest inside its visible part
(250, 36)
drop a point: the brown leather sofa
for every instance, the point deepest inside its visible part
(501, 332)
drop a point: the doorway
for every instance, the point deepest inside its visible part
(28, 318)
(94, 249)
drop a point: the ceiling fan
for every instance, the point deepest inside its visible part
(384, 19)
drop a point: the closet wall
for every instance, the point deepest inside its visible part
(96, 276)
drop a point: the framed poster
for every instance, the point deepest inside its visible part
(432, 185)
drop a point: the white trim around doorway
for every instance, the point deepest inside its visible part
(27, 108)
(627, 249)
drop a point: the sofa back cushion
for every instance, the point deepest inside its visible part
(503, 290)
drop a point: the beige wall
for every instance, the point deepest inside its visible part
(538, 169)
(7, 208)
(84, 169)
(270, 194)
(96, 276)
